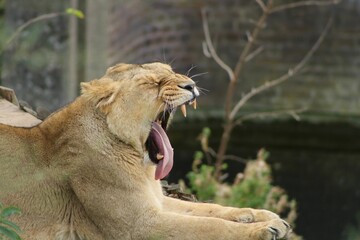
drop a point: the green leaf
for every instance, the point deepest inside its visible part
(224, 166)
(198, 155)
(6, 212)
(206, 132)
(75, 12)
(10, 224)
(9, 233)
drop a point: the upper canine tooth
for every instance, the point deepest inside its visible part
(183, 109)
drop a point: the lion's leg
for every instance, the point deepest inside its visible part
(214, 210)
(174, 226)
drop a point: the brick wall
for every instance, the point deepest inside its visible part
(168, 31)
(171, 31)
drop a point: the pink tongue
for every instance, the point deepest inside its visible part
(162, 141)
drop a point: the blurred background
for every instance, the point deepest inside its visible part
(314, 156)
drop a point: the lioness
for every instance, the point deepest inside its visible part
(92, 169)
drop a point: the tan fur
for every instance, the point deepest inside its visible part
(81, 173)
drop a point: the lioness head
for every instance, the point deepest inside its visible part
(138, 101)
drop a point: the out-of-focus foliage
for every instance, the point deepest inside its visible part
(250, 188)
(352, 231)
(8, 229)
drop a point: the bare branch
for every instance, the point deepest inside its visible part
(212, 152)
(302, 4)
(206, 50)
(251, 40)
(235, 158)
(254, 53)
(292, 112)
(262, 5)
(284, 77)
(209, 154)
(210, 50)
(249, 37)
(28, 23)
(225, 137)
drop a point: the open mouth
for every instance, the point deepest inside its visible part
(158, 144)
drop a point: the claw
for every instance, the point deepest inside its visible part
(274, 231)
(286, 224)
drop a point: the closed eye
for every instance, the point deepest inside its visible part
(189, 87)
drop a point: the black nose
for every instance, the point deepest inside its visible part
(189, 87)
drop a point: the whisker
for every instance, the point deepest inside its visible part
(164, 55)
(203, 91)
(157, 59)
(171, 62)
(165, 109)
(199, 74)
(159, 109)
(192, 67)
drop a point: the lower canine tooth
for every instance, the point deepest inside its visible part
(183, 109)
(194, 103)
(159, 156)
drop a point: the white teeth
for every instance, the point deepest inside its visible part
(193, 103)
(159, 156)
(183, 109)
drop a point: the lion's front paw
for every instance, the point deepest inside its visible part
(274, 229)
(248, 215)
(264, 215)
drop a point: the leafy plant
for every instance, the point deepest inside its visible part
(250, 188)
(8, 229)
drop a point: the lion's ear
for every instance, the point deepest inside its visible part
(102, 92)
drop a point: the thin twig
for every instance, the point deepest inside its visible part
(292, 112)
(253, 36)
(302, 4)
(254, 54)
(235, 158)
(28, 23)
(210, 47)
(284, 77)
(211, 152)
(262, 5)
